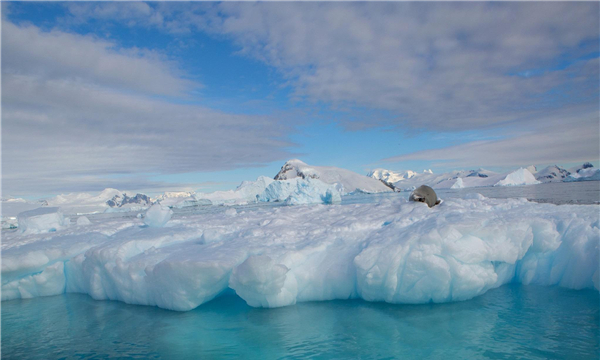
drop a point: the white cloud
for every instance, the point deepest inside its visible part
(59, 55)
(572, 135)
(74, 108)
(440, 66)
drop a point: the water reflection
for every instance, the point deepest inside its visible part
(509, 322)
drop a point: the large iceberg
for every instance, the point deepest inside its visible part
(395, 251)
(349, 181)
(295, 191)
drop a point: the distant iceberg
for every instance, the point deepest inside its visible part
(589, 174)
(295, 191)
(518, 177)
(42, 220)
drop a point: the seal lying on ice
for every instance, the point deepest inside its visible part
(424, 194)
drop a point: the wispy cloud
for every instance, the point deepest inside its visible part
(572, 135)
(440, 66)
(74, 107)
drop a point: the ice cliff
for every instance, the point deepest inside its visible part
(395, 251)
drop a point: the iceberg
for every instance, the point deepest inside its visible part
(587, 174)
(298, 191)
(41, 220)
(157, 216)
(458, 184)
(518, 177)
(394, 251)
(349, 180)
(294, 191)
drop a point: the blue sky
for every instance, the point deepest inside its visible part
(200, 96)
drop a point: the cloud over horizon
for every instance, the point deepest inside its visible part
(74, 107)
(86, 105)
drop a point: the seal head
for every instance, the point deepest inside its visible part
(424, 194)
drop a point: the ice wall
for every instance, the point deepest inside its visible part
(395, 251)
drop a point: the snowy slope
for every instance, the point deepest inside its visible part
(389, 176)
(350, 180)
(459, 179)
(589, 174)
(107, 200)
(552, 173)
(395, 251)
(181, 199)
(584, 166)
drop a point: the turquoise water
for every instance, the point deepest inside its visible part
(514, 321)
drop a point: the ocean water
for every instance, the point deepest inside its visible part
(511, 322)
(577, 193)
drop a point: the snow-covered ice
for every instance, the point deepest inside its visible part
(395, 251)
(83, 221)
(41, 220)
(299, 191)
(157, 215)
(589, 174)
(518, 177)
(348, 180)
(458, 184)
(409, 180)
(294, 191)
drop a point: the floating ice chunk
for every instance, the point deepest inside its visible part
(518, 177)
(298, 191)
(458, 184)
(157, 216)
(474, 196)
(41, 220)
(83, 221)
(263, 283)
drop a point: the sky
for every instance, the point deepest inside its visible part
(200, 96)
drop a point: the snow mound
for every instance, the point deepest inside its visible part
(518, 177)
(396, 251)
(157, 216)
(41, 220)
(349, 180)
(83, 221)
(552, 173)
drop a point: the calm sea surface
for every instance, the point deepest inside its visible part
(511, 322)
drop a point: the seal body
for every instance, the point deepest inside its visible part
(424, 194)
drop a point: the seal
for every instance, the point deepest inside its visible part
(424, 194)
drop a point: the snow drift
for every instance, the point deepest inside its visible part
(395, 251)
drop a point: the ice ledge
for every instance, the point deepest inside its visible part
(395, 251)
